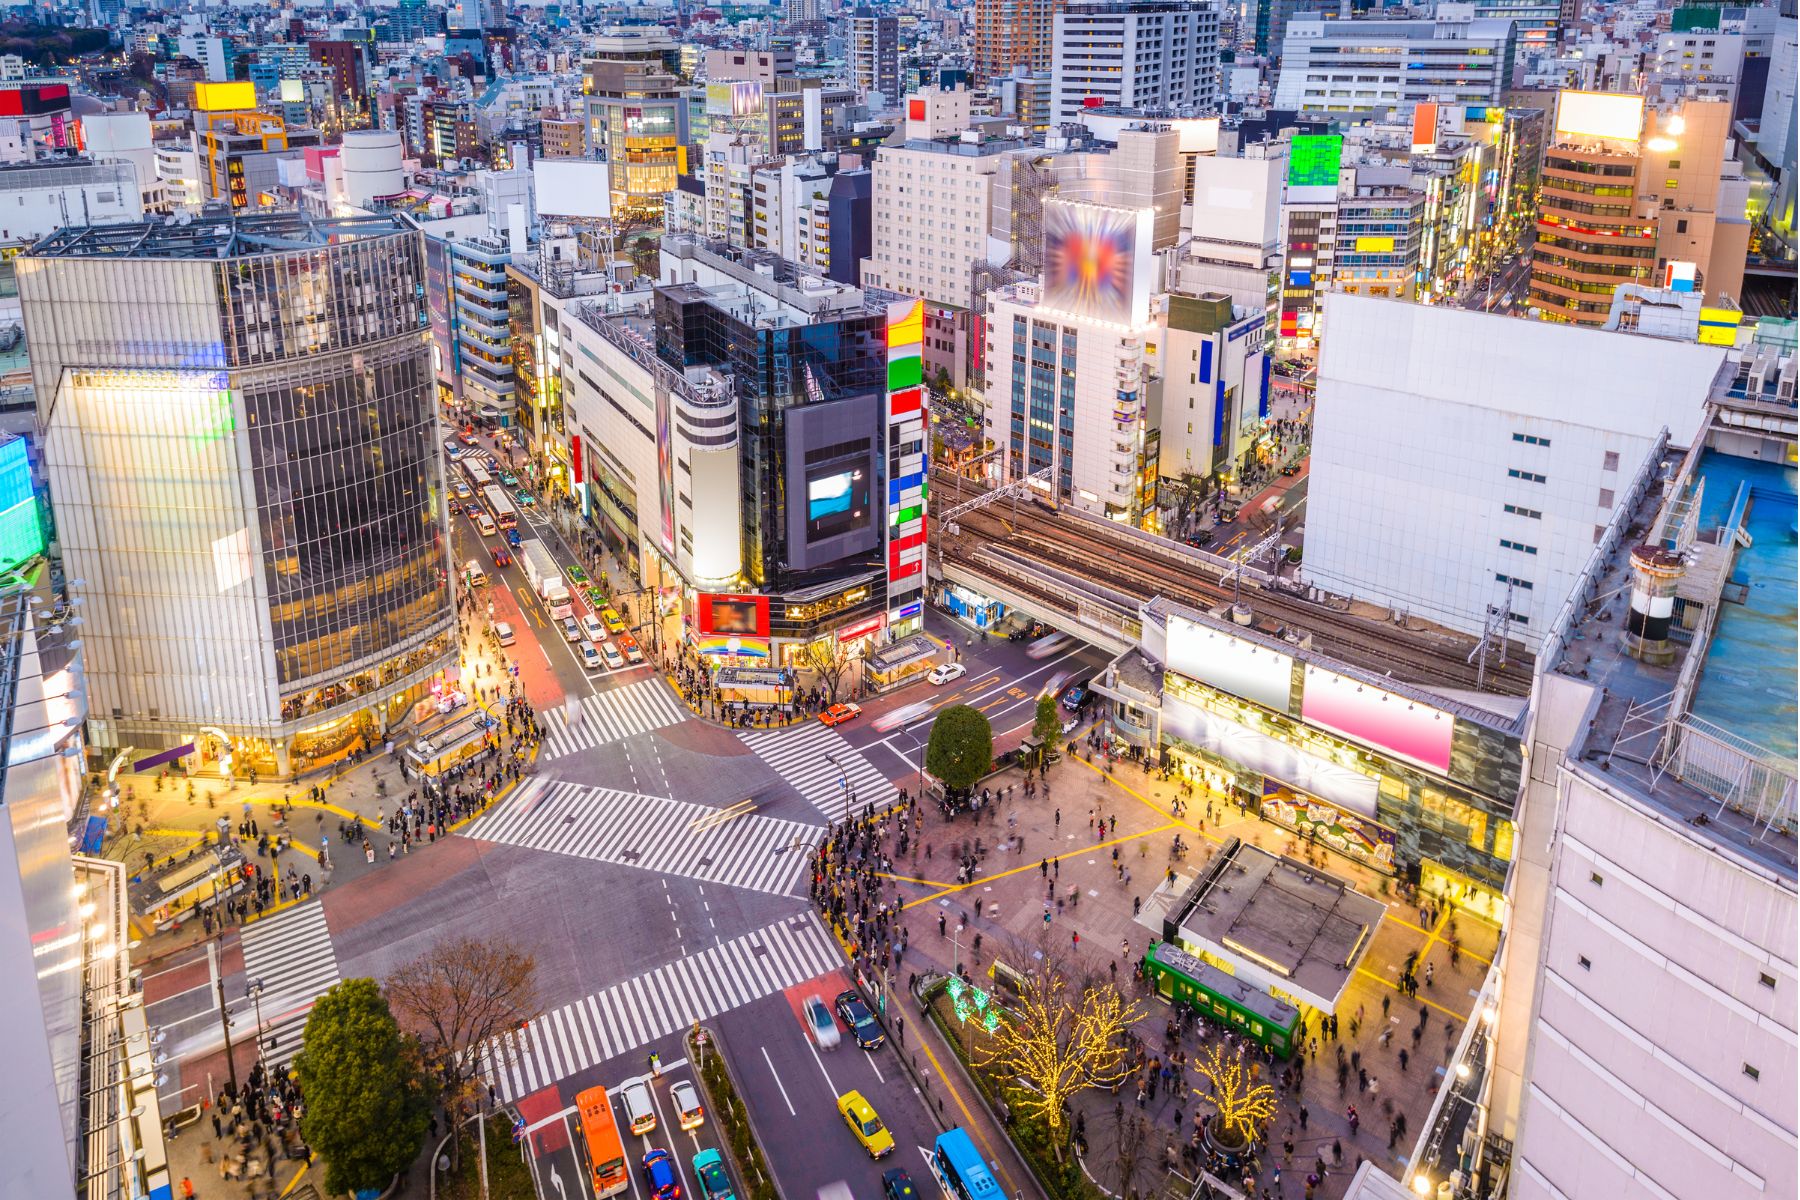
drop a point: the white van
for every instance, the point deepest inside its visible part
(473, 572)
(640, 1115)
(504, 632)
(485, 524)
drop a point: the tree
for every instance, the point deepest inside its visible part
(1057, 1046)
(1047, 725)
(366, 1105)
(961, 748)
(1242, 1103)
(830, 659)
(461, 996)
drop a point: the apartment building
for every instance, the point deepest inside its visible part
(1153, 55)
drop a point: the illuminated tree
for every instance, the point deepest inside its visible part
(1241, 1103)
(1057, 1046)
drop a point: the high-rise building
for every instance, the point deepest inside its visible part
(1013, 33)
(930, 225)
(875, 54)
(1646, 1028)
(1365, 66)
(636, 115)
(1627, 191)
(1156, 56)
(240, 438)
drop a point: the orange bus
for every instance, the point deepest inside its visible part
(605, 1151)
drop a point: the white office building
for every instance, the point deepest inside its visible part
(1463, 461)
(1157, 56)
(1366, 66)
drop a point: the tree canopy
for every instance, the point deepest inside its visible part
(961, 749)
(366, 1104)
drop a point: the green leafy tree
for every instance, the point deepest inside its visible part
(366, 1102)
(1047, 725)
(961, 748)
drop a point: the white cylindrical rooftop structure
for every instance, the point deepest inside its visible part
(372, 165)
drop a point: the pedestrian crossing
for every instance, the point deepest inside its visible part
(764, 854)
(638, 1011)
(290, 952)
(612, 716)
(804, 757)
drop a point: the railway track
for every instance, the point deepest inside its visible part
(1127, 565)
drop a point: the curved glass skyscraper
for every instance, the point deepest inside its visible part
(240, 433)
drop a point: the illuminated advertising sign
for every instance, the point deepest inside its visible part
(1719, 326)
(734, 98)
(293, 91)
(907, 459)
(732, 616)
(837, 501)
(21, 526)
(224, 97)
(1232, 665)
(1360, 711)
(1615, 116)
(1097, 261)
(1314, 158)
(1269, 756)
(1424, 130)
(850, 633)
(665, 467)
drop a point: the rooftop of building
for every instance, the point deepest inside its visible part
(1708, 736)
(1293, 920)
(215, 235)
(766, 289)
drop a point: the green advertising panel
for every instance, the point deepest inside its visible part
(1313, 160)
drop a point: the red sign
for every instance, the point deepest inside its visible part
(862, 628)
(915, 110)
(732, 616)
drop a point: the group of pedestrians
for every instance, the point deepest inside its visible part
(254, 1127)
(848, 888)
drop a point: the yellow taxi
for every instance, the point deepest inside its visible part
(614, 623)
(866, 1125)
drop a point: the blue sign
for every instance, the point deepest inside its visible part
(92, 836)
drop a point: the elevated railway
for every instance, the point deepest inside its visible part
(1138, 567)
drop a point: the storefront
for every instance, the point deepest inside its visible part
(980, 611)
(899, 663)
(1360, 838)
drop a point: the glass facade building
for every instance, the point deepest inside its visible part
(241, 438)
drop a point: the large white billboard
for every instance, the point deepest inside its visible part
(1097, 260)
(572, 187)
(1617, 116)
(1232, 665)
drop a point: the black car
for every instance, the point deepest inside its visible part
(898, 1185)
(853, 1012)
(1200, 540)
(1075, 697)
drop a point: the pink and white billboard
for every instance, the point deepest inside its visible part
(1365, 713)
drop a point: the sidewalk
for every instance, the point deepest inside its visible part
(1047, 871)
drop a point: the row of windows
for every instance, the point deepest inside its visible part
(1527, 476)
(1531, 439)
(1523, 585)
(1521, 547)
(1517, 511)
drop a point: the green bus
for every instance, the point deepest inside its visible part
(1182, 978)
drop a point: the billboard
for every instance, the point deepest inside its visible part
(1314, 158)
(1097, 261)
(572, 187)
(837, 501)
(1407, 729)
(1616, 116)
(734, 98)
(1232, 665)
(1424, 129)
(908, 454)
(21, 526)
(224, 97)
(1270, 757)
(731, 616)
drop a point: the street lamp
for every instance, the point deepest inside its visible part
(254, 990)
(844, 782)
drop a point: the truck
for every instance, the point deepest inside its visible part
(546, 579)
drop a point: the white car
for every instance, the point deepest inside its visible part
(614, 659)
(689, 1112)
(590, 657)
(944, 672)
(571, 630)
(820, 1023)
(593, 627)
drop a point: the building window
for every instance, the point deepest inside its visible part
(1752, 1072)
(1767, 980)
(1582, 961)
(1517, 511)
(1611, 462)
(1596, 880)
(1521, 547)
(1606, 498)
(1531, 439)
(1527, 476)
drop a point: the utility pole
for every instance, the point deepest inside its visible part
(212, 962)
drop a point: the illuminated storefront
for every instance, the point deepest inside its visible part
(1376, 772)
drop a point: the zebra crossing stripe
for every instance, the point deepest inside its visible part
(612, 716)
(290, 952)
(653, 833)
(638, 1011)
(804, 756)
